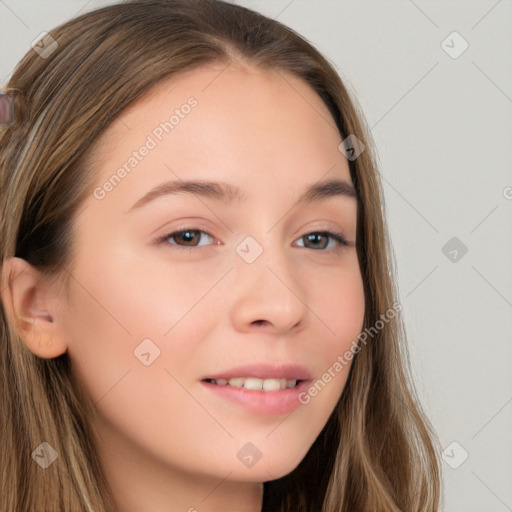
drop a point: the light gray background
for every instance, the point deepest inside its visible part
(443, 130)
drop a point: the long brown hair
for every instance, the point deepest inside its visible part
(377, 451)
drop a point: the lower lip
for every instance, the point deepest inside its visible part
(262, 402)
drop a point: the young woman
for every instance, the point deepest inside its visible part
(199, 310)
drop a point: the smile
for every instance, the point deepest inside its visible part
(254, 383)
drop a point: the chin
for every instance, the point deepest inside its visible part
(267, 468)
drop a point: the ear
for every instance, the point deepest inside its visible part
(30, 299)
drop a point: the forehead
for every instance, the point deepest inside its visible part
(255, 127)
(236, 91)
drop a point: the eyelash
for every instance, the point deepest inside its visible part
(338, 237)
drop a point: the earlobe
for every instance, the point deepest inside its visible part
(29, 298)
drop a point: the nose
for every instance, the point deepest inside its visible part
(267, 295)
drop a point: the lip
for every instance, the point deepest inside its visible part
(265, 371)
(273, 403)
(262, 402)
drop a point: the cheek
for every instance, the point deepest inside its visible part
(110, 316)
(120, 309)
(338, 303)
(98, 336)
(343, 309)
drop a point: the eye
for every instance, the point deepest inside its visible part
(315, 237)
(188, 236)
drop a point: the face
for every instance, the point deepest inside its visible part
(174, 292)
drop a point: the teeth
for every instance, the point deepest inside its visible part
(237, 382)
(270, 384)
(254, 383)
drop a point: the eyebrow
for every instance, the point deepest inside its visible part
(226, 192)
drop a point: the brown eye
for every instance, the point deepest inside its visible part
(184, 238)
(318, 240)
(189, 237)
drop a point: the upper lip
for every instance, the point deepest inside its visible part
(265, 371)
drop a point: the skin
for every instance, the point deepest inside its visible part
(166, 443)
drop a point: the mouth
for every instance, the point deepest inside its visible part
(264, 389)
(256, 384)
